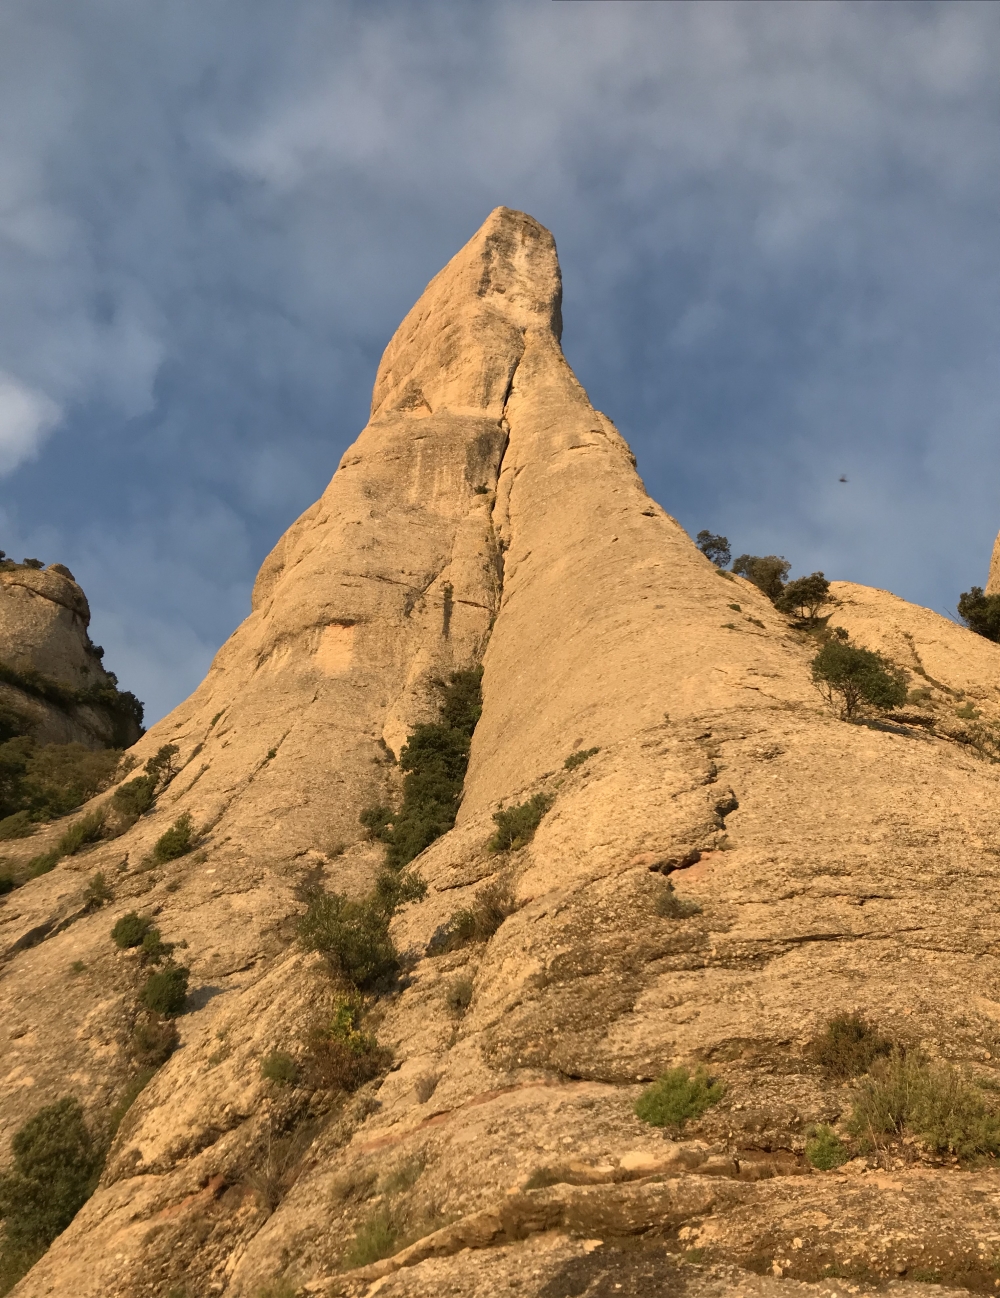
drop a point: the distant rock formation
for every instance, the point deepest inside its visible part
(993, 580)
(50, 671)
(724, 865)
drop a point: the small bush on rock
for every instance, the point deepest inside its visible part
(804, 597)
(135, 798)
(341, 1056)
(825, 1150)
(492, 905)
(577, 759)
(849, 1045)
(906, 1092)
(86, 830)
(516, 825)
(714, 548)
(98, 892)
(130, 930)
(279, 1067)
(859, 677)
(375, 1239)
(352, 935)
(154, 1039)
(767, 572)
(677, 1097)
(980, 613)
(177, 841)
(165, 991)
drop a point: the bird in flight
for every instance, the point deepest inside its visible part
(843, 478)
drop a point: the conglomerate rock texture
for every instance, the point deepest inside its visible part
(488, 512)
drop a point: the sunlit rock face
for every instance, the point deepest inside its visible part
(728, 866)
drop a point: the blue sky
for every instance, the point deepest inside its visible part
(778, 227)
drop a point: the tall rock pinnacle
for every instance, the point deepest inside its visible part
(665, 716)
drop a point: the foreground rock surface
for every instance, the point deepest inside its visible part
(488, 511)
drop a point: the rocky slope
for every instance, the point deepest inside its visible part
(50, 671)
(488, 512)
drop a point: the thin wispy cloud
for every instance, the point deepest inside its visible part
(777, 225)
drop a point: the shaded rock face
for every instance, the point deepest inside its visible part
(44, 616)
(826, 867)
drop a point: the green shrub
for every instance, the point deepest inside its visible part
(54, 1173)
(859, 677)
(980, 613)
(154, 1039)
(166, 991)
(161, 765)
(135, 798)
(804, 597)
(280, 1068)
(395, 888)
(19, 825)
(906, 1092)
(341, 1056)
(849, 1045)
(98, 892)
(177, 841)
(6, 884)
(86, 830)
(714, 548)
(130, 930)
(677, 1097)
(492, 905)
(577, 759)
(458, 997)
(42, 864)
(434, 759)
(516, 825)
(61, 777)
(670, 906)
(153, 948)
(767, 572)
(825, 1150)
(375, 1239)
(352, 935)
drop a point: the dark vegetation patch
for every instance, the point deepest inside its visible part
(515, 826)
(858, 678)
(906, 1093)
(476, 923)
(340, 1054)
(165, 990)
(435, 759)
(980, 613)
(123, 707)
(178, 840)
(678, 1097)
(825, 1150)
(353, 936)
(56, 1166)
(848, 1046)
(577, 759)
(40, 782)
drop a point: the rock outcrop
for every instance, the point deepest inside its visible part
(488, 512)
(993, 580)
(50, 671)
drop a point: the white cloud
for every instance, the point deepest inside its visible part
(26, 417)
